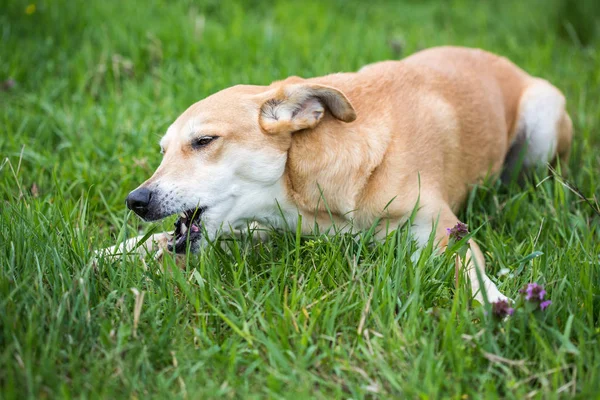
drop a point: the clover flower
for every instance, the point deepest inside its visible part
(502, 309)
(533, 292)
(458, 232)
(536, 294)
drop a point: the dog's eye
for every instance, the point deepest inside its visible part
(202, 141)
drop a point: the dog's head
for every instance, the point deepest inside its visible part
(225, 156)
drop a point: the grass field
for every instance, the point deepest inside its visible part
(86, 91)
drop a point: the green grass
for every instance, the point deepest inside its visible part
(97, 83)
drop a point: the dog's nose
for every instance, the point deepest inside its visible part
(138, 201)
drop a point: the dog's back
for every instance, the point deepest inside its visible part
(452, 116)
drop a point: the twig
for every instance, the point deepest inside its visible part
(497, 359)
(575, 190)
(363, 317)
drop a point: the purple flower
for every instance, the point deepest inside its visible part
(501, 309)
(458, 232)
(535, 293)
(541, 294)
(545, 304)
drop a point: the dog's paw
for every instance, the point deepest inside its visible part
(155, 244)
(492, 293)
(497, 296)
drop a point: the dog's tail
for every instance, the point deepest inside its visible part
(544, 130)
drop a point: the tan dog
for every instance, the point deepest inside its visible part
(351, 149)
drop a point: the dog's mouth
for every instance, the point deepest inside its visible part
(187, 230)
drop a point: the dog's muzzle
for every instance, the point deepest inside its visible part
(187, 227)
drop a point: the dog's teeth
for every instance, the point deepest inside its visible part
(195, 228)
(183, 228)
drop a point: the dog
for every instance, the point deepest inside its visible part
(353, 150)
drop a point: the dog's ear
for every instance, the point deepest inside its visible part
(302, 106)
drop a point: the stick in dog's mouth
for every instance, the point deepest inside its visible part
(187, 230)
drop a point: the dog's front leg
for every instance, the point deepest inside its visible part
(157, 244)
(442, 218)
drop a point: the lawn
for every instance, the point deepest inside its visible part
(88, 88)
